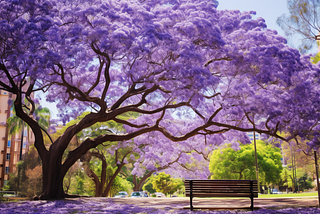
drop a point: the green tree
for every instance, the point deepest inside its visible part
(300, 160)
(305, 182)
(120, 184)
(231, 164)
(102, 165)
(105, 175)
(104, 169)
(138, 182)
(284, 179)
(79, 186)
(148, 186)
(163, 182)
(28, 182)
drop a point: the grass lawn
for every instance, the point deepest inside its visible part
(288, 195)
(304, 194)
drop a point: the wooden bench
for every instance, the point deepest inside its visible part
(221, 188)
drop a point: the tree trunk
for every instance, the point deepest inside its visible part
(134, 181)
(99, 184)
(138, 186)
(52, 178)
(53, 169)
(95, 179)
(108, 188)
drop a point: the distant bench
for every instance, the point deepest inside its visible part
(221, 188)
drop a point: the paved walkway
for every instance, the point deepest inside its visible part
(180, 202)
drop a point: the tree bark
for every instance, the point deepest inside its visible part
(99, 184)
(134, 181)
(138, 186)
(52, 181)
(53, 173)
(108, 188)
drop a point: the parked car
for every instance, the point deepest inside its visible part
(160, 195)
(122, 194)
(139, 194)
(276, 191)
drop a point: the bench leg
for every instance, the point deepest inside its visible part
(251, 190)
(191, 196)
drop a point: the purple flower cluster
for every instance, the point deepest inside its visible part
(106, 205)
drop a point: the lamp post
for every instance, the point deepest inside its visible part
(317, 38)
(317, 175)
(256, 159)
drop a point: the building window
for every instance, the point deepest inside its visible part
(16, 146)
(7, 170)
(8, 156)
(5, 182)
(9, 143)
(25, 133)
(24, 145)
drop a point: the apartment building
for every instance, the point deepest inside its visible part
(251, 135)
(10, 144)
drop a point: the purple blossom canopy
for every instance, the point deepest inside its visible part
(193, 73)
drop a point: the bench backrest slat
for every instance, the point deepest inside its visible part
(244, 195)
(221, 188)
(221, 182)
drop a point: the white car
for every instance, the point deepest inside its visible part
(122, 194)
(138, 194)
(160, 195)
(276, 191)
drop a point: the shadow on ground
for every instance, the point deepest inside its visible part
(158, 205)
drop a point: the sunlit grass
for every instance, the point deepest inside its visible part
(284, 195)
(304, 194)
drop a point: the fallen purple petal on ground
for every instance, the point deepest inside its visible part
(106, 205)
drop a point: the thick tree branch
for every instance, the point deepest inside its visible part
(14, 88)
(218, 59)
(106, 71)
(131, 92)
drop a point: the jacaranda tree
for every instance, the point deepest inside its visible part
(194, 74)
